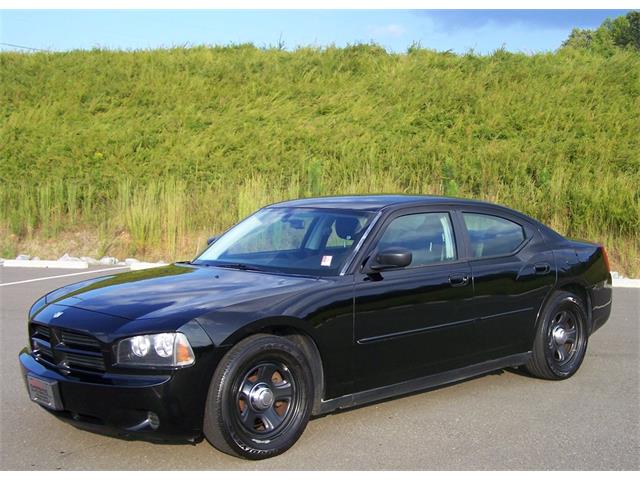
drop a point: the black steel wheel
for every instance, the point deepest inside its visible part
(561, 338)
(266, 399)
(260, 398)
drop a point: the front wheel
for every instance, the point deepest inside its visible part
(561, 339)
(260, 398)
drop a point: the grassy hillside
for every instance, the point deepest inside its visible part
(147, 153)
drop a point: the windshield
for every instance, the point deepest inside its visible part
(290, 240)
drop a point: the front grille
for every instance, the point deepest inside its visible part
(67, 349)
(79, 340)
(41, 343)
(46, 353)
(42, 331)
(75, 360)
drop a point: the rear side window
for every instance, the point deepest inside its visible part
(490, 235)
(428, 236)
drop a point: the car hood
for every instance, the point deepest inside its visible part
(181, 290)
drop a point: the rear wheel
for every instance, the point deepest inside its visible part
(260, 398)
(561, 339)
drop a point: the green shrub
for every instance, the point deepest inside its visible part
(152, 151)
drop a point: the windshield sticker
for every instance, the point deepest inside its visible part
(326, 260)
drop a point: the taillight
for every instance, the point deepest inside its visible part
(605, 257)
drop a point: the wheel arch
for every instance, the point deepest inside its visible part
(577, 289)
(294, 330)
(583, 293)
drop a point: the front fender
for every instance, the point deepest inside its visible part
(227, 333)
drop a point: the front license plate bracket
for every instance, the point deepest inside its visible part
(44, 392)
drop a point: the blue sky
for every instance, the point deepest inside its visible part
(458, 30)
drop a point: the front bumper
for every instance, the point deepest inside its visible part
(121, 404)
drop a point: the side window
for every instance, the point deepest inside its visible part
(490, 235)
(429, 237)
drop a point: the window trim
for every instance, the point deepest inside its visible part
(526, 229)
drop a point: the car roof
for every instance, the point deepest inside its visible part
(375, 202)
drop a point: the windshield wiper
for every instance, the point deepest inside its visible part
(239, 266)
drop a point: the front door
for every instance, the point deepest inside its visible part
(414, 321)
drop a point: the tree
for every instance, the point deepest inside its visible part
(619, 33)
(579, 38)
(625, 31)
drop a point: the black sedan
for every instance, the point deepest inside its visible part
(310, 306)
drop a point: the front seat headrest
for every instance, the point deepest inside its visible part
(346, 227)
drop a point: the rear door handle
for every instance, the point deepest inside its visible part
(459, 280)
(542, 268)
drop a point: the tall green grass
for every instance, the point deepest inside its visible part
(152, 151)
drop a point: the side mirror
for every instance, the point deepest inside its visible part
(210, 240)
(391, 258)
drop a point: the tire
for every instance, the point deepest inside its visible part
(561, 338)
(260, 398)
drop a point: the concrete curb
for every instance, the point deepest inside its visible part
(626, 282)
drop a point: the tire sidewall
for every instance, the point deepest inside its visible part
(574, 304)
(267, 348)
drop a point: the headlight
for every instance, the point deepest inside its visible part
(158, 350)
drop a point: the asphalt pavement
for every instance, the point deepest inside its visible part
(499, 421)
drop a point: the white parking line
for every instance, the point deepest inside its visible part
(65, 275)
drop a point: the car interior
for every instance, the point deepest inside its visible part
(324, 247)
(427, 236)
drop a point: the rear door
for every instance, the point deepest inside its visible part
(414, 321)
(512, 272)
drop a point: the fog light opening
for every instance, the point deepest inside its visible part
(154, 421)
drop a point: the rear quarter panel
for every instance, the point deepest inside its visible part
(582, 264)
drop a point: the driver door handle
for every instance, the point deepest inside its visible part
(542, 268)
(459, 280)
